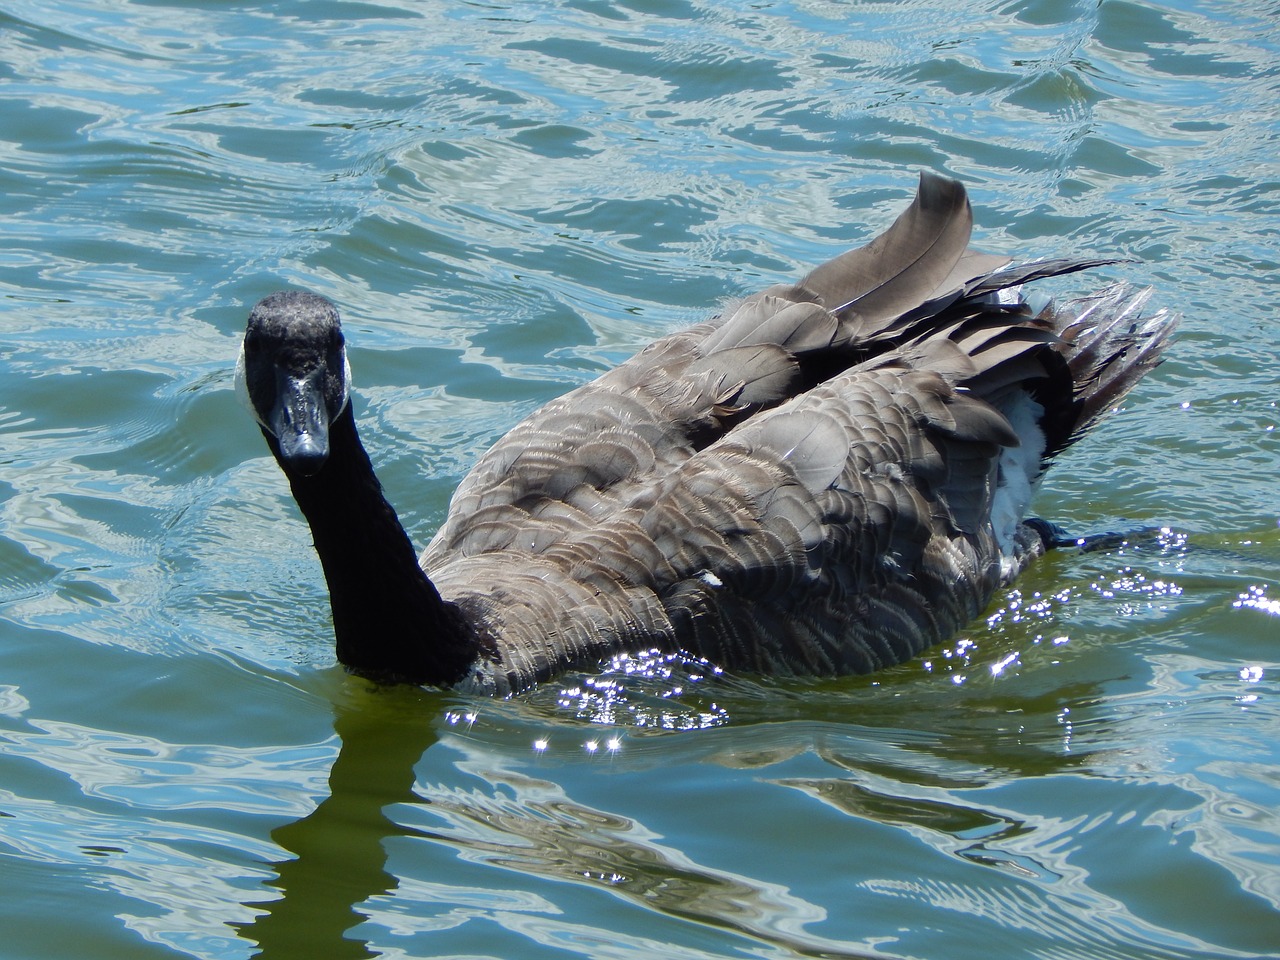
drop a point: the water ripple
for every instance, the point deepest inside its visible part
(506, 199)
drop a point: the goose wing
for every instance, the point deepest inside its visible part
(592, 449)
(841, 532)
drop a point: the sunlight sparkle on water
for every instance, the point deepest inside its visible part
(1250, 674)
(611, 745)
(646, 689)
(1064, 720)
(1131, 582)
(1039, 606)
(1256, 598)
(999, 666)
(461, 717)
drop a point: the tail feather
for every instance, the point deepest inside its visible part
(1109, 346)
(1033, 270)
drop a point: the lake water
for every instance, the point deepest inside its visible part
(507, 198)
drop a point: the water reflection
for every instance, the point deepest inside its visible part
(338, 851)
(493, 812)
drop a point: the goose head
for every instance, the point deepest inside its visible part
(294, 377)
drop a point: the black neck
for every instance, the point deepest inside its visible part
(389, 620)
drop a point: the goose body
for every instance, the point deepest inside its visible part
(828, 478)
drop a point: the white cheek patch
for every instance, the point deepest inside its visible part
(346, 383)
(242, 387)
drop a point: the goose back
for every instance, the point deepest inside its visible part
(829, 477)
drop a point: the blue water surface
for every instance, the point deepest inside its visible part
(507, 198)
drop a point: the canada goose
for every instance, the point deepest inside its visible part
(827, 478)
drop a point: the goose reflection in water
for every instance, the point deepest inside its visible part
(337, 869)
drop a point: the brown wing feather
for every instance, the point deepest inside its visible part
(904, 266)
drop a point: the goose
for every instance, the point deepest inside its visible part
(827, 478)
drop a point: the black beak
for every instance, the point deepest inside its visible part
(300, 422)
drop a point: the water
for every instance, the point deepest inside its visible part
(506, 199)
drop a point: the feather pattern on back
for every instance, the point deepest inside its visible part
(805, 483)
